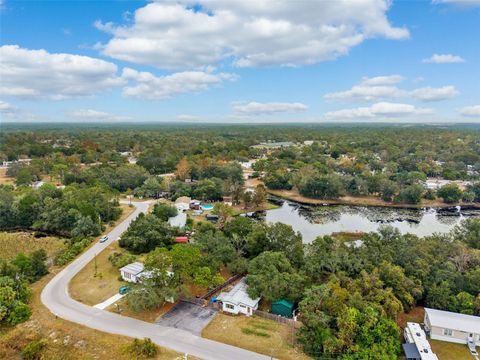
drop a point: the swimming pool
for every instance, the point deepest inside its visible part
(207, 206)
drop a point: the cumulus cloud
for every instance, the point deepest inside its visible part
(371, 89)
(95, 115)
(146, 85)
(444, 59)
(269, 108)
(6, 108)
(435, 94)
(190, 34)
(380, 110)
(39, 74)
(383, 87)
(471, 111)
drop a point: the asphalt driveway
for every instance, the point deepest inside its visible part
(187, 316)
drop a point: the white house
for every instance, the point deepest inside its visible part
(179, 220)
(132, 272)
(183, 203)
(452, 327)
(37, 184)
(416, 345)
(238, 301)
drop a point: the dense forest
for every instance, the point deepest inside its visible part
(349, 294)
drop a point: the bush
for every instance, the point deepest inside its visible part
(33, 350)
(72, 251)
(142, 348)
(120, 259)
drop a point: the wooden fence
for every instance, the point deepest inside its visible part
(274, 317)
(220, 287)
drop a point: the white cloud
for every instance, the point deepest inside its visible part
(38, 74)
(148, 86)
(435, 94)
(185, 35)
(380, 110)
(270, 108)
(6, 108)
(471, 111)
(95, 115)
(444, 59)
(383, 87)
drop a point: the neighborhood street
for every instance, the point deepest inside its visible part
(56, 298)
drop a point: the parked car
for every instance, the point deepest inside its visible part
(103, 239)
(123, 290)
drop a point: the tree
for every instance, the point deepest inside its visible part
(259, 196)
(14, 294)
(164, 211)
(142, 348)
(183, 169)
(150, 187)
(411, 194)
(224, 212)
(322, 187)
(272, 277)
(450, 193)
(468, 232)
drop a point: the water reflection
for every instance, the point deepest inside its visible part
(323, 220)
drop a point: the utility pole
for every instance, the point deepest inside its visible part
(95, 264)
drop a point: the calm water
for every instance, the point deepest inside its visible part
(323, 220)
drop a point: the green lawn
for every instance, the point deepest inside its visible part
(450, 351)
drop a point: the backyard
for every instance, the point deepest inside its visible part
(450, 351)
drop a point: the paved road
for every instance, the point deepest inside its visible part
(56, 298)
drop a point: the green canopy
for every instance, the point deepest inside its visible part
(282, 307)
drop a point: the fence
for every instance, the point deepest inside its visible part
(220, 287)
(277, 318)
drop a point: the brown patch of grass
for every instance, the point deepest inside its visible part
(11, 244)
(255, 334)
(450, 351)
(416, 315)
(4, 178)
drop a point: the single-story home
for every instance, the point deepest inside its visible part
(283, 308)
(238, 301)
(179, 220)
(183, 203)
(452, 327)
(132, 272)
(37, 184)
(416, 345)
(195, 204)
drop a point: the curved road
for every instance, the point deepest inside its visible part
(56, 298)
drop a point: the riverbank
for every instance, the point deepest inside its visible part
(295, 196)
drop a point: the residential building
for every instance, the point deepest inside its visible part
(452, 327)
(237, 301)
(132, 272)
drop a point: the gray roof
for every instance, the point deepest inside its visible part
(133, 268)
(238, 295)
(454, 321)
(411, 351)
(180, 220)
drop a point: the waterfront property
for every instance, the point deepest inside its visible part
(416, 345)
(452, 327)
(237, 301)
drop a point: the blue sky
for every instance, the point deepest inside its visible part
(240, 61)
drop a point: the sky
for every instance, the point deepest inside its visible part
(240, 61)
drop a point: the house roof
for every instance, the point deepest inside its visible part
(454, 321)
(133, 268)
(238, 295)
(181, 239)
(179, 220)
(183, 200)
(284, 302)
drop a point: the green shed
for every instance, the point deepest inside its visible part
(282, 307)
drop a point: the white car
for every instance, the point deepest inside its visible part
(103, 239)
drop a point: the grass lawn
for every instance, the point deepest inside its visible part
(450, 351)
(98, 281)
(4, 179)
(255, 334)
(12, 244)
(94, 284)
(147, 315)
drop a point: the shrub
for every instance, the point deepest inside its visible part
(142, 348)
(33, 350)
(72, 251)
(120, 259)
